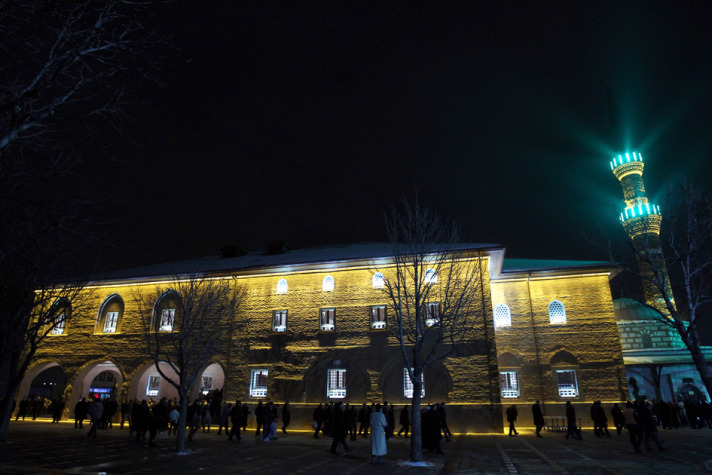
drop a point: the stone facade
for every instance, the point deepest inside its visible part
(299, 359)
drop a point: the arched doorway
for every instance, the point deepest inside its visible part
(41, 385)
(212, 379)
(99, 380)
(149, 384)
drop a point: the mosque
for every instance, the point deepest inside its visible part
(314, 327)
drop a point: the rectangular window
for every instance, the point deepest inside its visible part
(432, 313)
(112, 318)
(566, 380)
(59, 324)
(258, 383)
(336, 384)
(378, 317)
(168, 316)
(327, 320)
(509, 383)
(207, 384)
(408, 385)
(154, 382)
(279, 321)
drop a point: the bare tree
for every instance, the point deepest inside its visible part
(680, 260)
(185, 326)
(68, 63)
(435, 295)
(31, 311)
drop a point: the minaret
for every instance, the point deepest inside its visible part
(641, 220)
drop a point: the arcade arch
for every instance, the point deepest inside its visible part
(96, 372)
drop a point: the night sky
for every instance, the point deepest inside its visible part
(304, 121)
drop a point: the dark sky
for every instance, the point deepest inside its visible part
(304, 121)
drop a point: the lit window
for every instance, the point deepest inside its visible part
(336, 384)
(168, 316)
(60, 324)
(154, 382)
(279, 321)
(431, 276)
(327, 320)
(378, 317)
(408, 385)
(432, 313)
(509, 383)
(502, 317)
(258, 383)
(112, 319)
(378, 281)
(207, 384)
(282, 286)
(328, 284)
(557, 313)
(566, 380)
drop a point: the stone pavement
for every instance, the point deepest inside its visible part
(41, 447)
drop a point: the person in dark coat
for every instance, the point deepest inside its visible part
(80, 413)
(141, 419)
(318, 420)
(363, 420)
(286, 416)
(245, 414)
(650, 428)
(404, 420)
(572, 428)
(430, 429)
(442, 415)
(22, 412)
(630, 415)
(600, 421)
(537, 417)
(236, 419)
(259, 418)
(57, 409)
(224, 421)
(618, 419)
(512, 418)
(338, 429)
(391, 420)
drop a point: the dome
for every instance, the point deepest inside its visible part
(631, 310)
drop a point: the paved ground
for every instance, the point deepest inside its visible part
(41, 447)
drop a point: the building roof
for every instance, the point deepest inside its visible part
(512, 265)
(264, 260)
(631, 310)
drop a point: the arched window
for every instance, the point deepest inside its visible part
(58, 316)
(282, 286)
(646, 339)
(328, 284)
(110, 314)
(431, 276)
(502, 316)
(557, 313)
(164, 311)
(378, 281)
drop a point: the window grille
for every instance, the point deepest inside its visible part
(378, 281)
(408, 385)
(509, 383)
(60, 324)
(282, 286)
(328, 284)
(279, 321)
(431, 276)
(502, 316)
(258, 383)
(378, 317)
(167, 318)
(557, 313)
(336, 384)
(112, 318)
(154, 383)
(566, 380)
(432, 313)
(327, 319)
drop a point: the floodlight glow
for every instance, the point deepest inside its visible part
(627, 157)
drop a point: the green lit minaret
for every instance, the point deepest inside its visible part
(641, 220)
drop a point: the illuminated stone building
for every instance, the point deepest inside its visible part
(658, 364)
(314, 328)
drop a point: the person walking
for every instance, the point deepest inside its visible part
(378, 425)
(236, 419)
(363, 421)
(649, 427)
(224, 418)
(404, 421)
(538, 417)
(618, 418)
(442, 415)
(286, 416)
(318, 419)
(572, 428)
(512, 418)
(259, 418)
(80, 413)
(338, 429)
(96, 409)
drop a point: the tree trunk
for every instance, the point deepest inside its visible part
(416, 433)
(182, 422)
(6, 409)
(700, 363)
